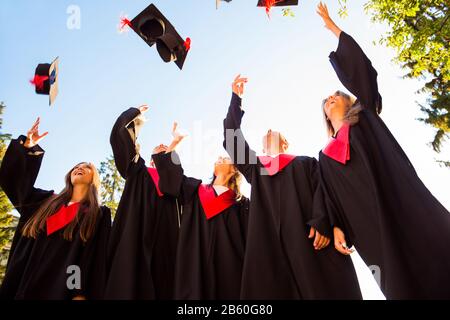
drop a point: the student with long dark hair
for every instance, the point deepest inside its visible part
(59, 247)
(145, 230)
(380, 204)
(287, 254)
(212, 235)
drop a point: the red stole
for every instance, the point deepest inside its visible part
(62, 218)
(339, 148)
(155, 177)
(276, 164)
(212, 204)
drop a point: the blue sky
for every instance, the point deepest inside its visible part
(103, 72)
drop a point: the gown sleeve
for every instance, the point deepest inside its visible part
(18, 172)
(356, 73)
(123, 142)
(172, 180)
(234, 141)
(93, 260)
(336, 219)
(320, 218)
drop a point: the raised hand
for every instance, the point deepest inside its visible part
(177, 136)
(143, 108)
(33, 136)
(238, 85)
(159, 149)
(322, 11)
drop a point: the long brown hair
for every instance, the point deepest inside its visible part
(234, 183)
(351, 117)
(86, 217)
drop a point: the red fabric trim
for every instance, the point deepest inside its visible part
(155, 177)
(275, 165)
(62, 218)
(212, 204)
(339, 148)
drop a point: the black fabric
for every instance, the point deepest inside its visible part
(37, 268)
(379, 201)
(145, 229)
(280, 261)
(210, 252)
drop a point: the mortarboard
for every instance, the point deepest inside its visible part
(46, 79)
(268, 4)
(153, 27)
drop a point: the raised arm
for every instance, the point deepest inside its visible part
(123, 140)
(172, 180)
(233, 139)
(353, 68)
(19, 170)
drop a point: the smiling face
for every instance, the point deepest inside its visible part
(82, 173)
(274, 142)
(336, 105)
(335, 108)
(224, 166)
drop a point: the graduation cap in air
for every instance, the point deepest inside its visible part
(268, 4)
(46, 79)
(153, 27)
(218, 2)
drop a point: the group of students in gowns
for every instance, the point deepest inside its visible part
(177, 237)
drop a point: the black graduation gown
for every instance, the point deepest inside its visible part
(280, 261)
(37, 268)
(379, 201)
(210, 252)
(145, 229)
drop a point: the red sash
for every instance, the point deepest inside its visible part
(339, 148)
(155, 177)
(212, 204)
(275, 165)
(62, 218)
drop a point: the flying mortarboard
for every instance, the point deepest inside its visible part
(46, 79)
(268, 4)
(153, 27)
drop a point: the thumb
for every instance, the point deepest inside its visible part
(311, 232)
(43, 135)
(341, 240)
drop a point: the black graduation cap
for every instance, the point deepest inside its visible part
(277, 3)
(46, 79)
(153, 27)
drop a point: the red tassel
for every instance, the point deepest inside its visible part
(269, 5)
(124, 22)
(187, 44)
(38, 81)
